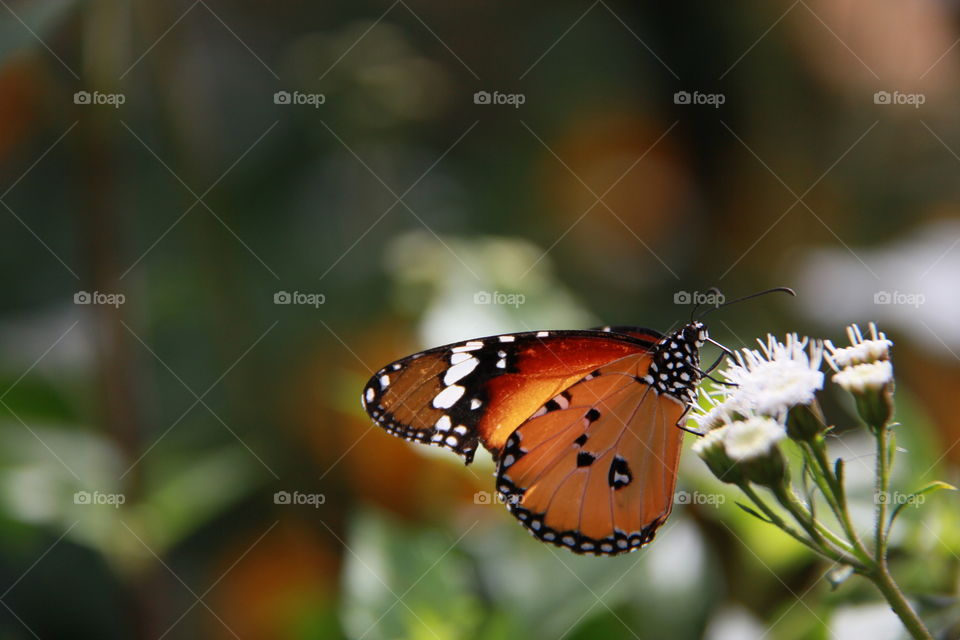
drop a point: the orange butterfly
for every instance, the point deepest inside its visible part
(585, 426)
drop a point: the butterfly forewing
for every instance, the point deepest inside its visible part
(479, 391)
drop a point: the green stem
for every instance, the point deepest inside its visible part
(883, 487)
(816, 530)
(884, 581)
(781, 524)
(833, 490)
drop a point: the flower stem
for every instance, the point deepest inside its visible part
(884, 581)
(880, 576)
(820, 534)
(835, 493)
(836, 555)
(883, 486)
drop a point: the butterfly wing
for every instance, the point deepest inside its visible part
(479, 391)
(650, 336)
(594, 469)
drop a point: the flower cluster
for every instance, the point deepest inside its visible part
(769, 396)
(864, 369)
(770, 393)
(750, 414)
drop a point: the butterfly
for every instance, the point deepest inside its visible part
(585, 426)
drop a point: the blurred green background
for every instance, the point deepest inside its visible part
(219, 218)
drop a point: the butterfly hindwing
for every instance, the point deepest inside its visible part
(594, 470)
(478, 391)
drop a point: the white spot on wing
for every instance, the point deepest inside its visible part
(542, 334)
(384, 381)
(459, 370)
(459, 357)
(507, 338)
(443, 424)
(473, 345)
(370, 394)
(448, 397)
(475, 403)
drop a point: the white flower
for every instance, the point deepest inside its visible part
(860, 351)
(751, 438)
(709, 440)
(779, 376)
(717, 413)
(867, 376)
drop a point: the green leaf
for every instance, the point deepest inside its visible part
(754, 513)
(936, 485)
(179, 500)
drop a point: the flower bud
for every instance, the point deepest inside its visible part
(872, 386)
(710, 448)
(805, 422)
(752, 445)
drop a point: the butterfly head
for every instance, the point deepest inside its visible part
(695, 334)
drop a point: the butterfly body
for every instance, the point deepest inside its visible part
(583, 425)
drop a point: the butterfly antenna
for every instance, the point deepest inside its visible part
(749, 297)
(712, 291)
